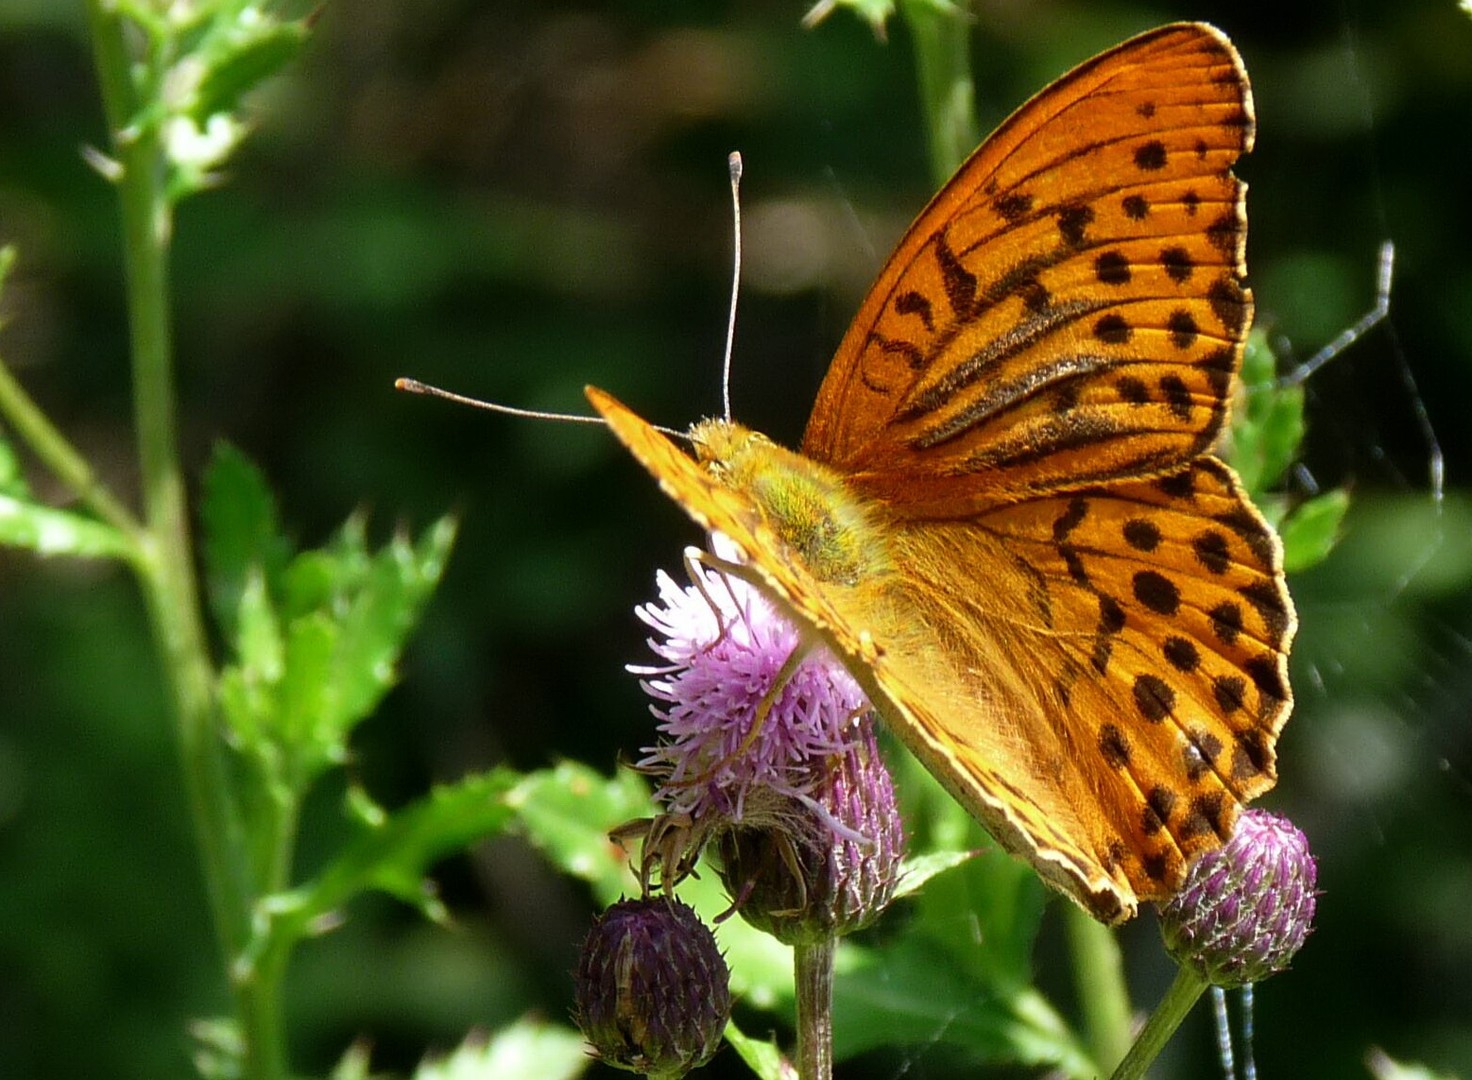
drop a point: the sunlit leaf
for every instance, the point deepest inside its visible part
(568, 812)
(529, 1049)
(1312, 530)
(47, 531)
(762, 1056)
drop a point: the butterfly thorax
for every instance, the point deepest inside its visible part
(829, 528)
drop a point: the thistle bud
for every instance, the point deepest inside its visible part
(652, 989)
(1245, 908)
(827, 865)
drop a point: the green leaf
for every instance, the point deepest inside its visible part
(529, 1049)
(242, 533)
(315, 641)
(258, 634)
(238, 57)
(568, 812)
(47, 532)
(1312, 530)
(762, 1056)
(919, 869)
(377, 619)
(395, 857)
(1268, 424)
(311, 727)
(987, 912)
(911, 994)
(248, 689)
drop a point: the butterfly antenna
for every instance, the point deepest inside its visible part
(414, 386)
(733, 163)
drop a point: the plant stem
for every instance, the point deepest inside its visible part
(1162, 1024)
(1099, 980)
(813, 974)
(166, 570)
(941, 37)
(58, 455)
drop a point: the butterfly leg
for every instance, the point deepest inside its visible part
(695, 558)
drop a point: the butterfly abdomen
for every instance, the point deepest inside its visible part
(829, 528)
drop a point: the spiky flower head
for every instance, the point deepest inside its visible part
(750, 714)
(832, 867)
(652, 990)
(1247, 907)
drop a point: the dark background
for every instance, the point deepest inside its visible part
(518, 198)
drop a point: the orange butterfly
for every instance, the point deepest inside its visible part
(1005, 518)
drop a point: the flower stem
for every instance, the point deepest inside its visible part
(813, 973)
(1162, 1024)
(941, 37)
(59, 456)
(1099, 980)
(132, 61)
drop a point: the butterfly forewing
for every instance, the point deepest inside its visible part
(1070, 308)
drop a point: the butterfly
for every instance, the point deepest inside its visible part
(1005, 518)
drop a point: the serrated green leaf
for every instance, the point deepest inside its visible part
(310, 724)
(378, 619)
(346, 614)
(762, 1056)
(308, 583)
(1267, 424)
(241, 532)
(239, 59)
(396, 856)
(258, 642)
(1312, 530)
(568, 812)
(526, 1050)
(48, 532)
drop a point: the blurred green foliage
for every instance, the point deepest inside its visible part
(520, 198)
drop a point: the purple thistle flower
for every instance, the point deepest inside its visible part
(1246, 908)
(831, 868)
(770, 754)
(724, 647)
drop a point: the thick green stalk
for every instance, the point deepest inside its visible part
(941, 34)
(1162, 1024)
(166, 570)
(1103, 995)
(813, 975)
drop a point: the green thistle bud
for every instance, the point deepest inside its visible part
(652, 989)
(824, 866)
(1247, 907)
